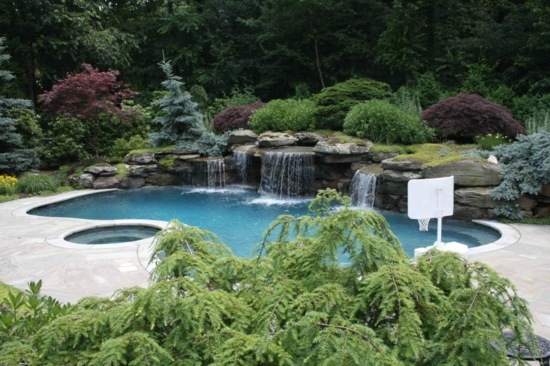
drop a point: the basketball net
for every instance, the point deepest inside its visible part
(423, 224)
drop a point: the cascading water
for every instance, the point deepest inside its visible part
(287, 174)
(216, 173)
(242, 160)
(363, 189)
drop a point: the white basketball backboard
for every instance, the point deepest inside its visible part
(430, 198)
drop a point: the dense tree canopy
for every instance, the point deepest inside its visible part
(278, 45)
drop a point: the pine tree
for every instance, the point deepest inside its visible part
(181, 123)
(14, 157)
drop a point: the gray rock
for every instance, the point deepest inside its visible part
(347, 148)
(340, 159)
(403, 165)
(307, 138)
(475, 197)
(242, 137)
(275, 139)
(143, 158)
(163, 179)
(526, 203)
(103, 182)
(468, 213)
(399, 176)
(133, 182)
(466, 173)
(378, 157)
(86, 180)
(141, 170)
(102, 170)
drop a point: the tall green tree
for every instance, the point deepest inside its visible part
(51, 38)
(15, 157)
(180, 122)
(317, 42)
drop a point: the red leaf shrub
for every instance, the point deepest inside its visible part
(87, 94)
(235, 117)
(465, 116)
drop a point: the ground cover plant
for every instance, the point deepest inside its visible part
(295, 304)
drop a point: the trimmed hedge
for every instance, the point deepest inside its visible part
(284, 115)
(382, 122)
(333, 103)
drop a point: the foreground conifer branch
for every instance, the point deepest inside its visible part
(294, 304)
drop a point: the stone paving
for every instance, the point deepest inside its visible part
(33, 248)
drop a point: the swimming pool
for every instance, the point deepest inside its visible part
(238, 216)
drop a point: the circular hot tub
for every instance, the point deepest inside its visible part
(112, 234)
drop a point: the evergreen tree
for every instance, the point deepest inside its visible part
(14, 157)
(180, 122)
(295, 304)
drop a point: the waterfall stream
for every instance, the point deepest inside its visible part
(363, 189)
(216, 173)
(242, 160)
(287, 174)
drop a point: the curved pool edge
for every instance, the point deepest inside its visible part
(508, 236)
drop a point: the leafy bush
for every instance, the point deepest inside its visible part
(380, 121)
(465, 116)
(237, 97)
(428, 89)
(65, 143)
(525, 169)
(284, 115)
(235, 117)
(122, 146)
(490, 142)
(334, 102)
(36, 183)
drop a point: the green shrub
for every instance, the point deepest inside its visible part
(237, 97)
(334, 102)
(36, 183)
(382, 122)
(284, 115)
(490, 142)
(65, 142)
(525, 169)
(122, 146)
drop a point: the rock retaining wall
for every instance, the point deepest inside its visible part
(335, 164)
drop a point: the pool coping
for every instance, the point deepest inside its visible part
(36, 233)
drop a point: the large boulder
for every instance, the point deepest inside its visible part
(104, 182)
(102, 170)
(242, 137)
(403, 165)
(86, 180)
(142, 158)
(400, 176)
(475, 197)
(345, 152)
(275, 139)
(466, 173)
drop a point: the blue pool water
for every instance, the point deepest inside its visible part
(239, 216)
